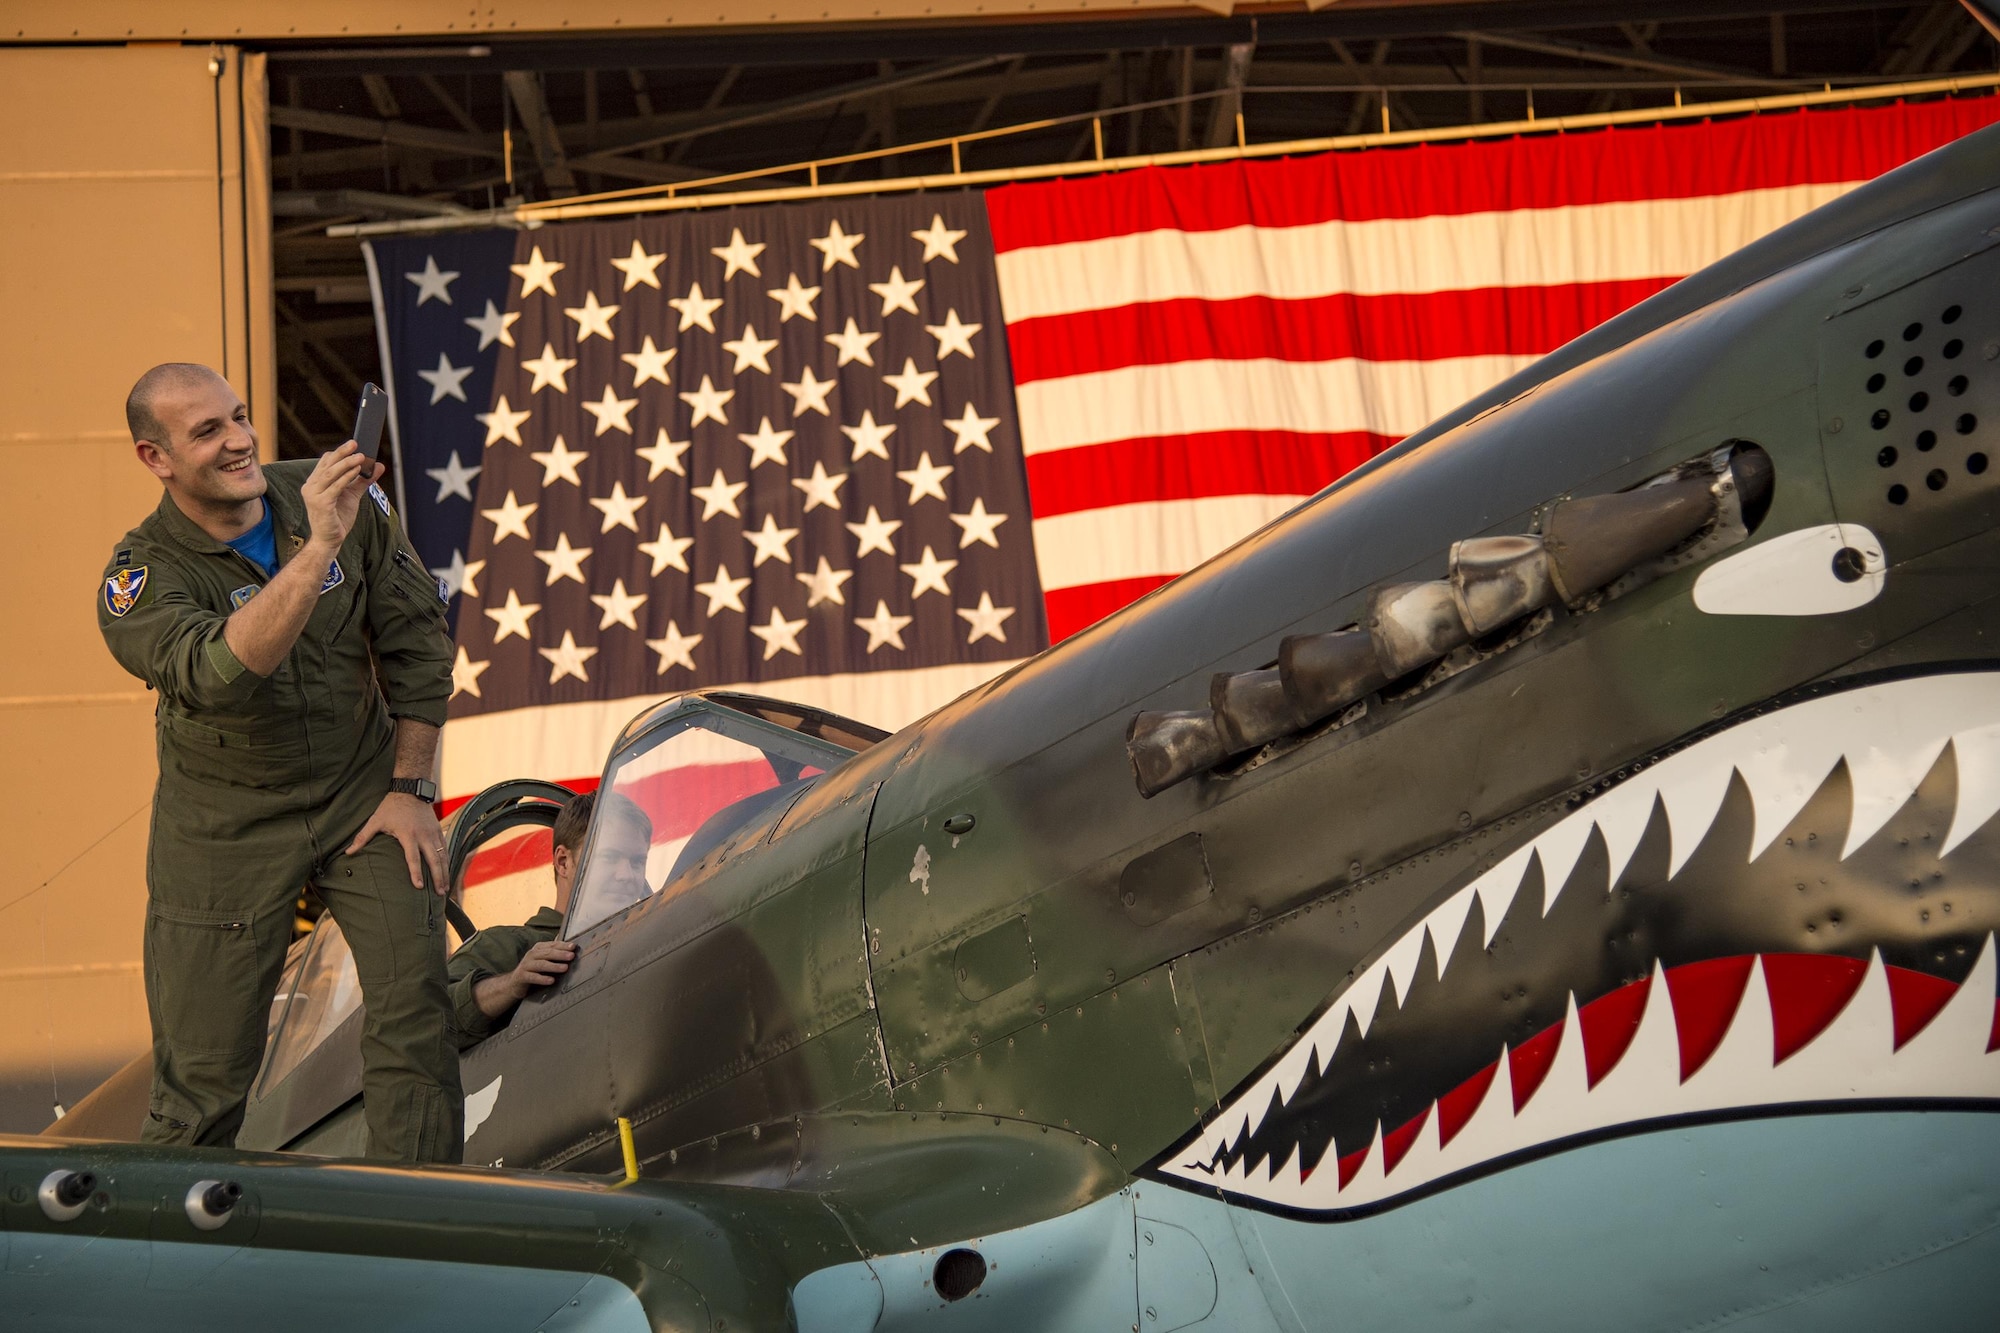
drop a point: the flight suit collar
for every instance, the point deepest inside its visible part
(288, 517)
(548, 918)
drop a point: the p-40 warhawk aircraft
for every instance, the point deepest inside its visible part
(1549, 880)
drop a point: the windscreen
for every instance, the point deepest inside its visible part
(674, 798)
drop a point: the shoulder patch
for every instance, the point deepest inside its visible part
(444, 591)
(381, 500)
(122, 589)
(244, 594)
(123, 557)
(334, 578)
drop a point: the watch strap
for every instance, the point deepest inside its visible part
(422, 788)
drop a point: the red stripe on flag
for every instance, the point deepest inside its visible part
(1551, 171)
(1190, 467)
(1072, 609)
(1414, 327)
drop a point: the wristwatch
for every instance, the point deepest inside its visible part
(421, 788)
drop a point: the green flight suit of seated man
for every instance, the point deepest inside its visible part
(502, 965)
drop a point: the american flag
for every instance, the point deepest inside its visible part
(865, 453)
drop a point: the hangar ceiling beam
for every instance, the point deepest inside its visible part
(525, 88)
(1636, 59)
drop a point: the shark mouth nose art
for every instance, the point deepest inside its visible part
(1797, 911)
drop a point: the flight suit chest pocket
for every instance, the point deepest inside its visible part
(339, 595)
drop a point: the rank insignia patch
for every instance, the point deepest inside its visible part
(334, 578)
(381, 500)
(244, 594)
(122, 589)
(444, 591)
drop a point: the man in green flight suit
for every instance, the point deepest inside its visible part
(299, 650)
(502, 965)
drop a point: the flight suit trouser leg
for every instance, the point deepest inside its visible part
(210, 976)
(410, 1089)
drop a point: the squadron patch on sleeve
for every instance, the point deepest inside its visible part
(122, 589)
(334, 578)
(244, 594)
(381, 500)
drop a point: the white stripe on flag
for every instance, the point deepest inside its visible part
(1644, 238)
(1150, 539)
(1393, 398)
(567, 741)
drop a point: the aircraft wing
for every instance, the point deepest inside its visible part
(310, 1244)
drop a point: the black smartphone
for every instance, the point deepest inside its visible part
(368, 420)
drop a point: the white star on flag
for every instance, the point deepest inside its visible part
(925, 478)
(696, 308)
(667, 551)
(954, 335)
(559, 463)
(664, 455)
(708, 402)
(854, 344)
(618, 606)
(723, 592)
(454, 478)
(512, 618)
(535, 275)
(768, 445)
(502, 423)
(772, 542)
(985, 619)
(611, 411)
(739, 256)
(809, 393)
(719, 496)
(780, 634)
(874, 533)
(495, 326)
(883, 628)
(750, 350)
(971, 430)
(640, 267)
(820, 488)
(824, 584)
(675, 648)
(510, 519)
(618, 509)
(978, 525)
(929, 574)
(432, 283)
(837, 247)
(564, 561)
(567, 659)
(896, 292)
(793, 299)
(461, 575)
(447, 381)
(549, 369)
(912, 385)
(868, 437)
(465, 674)
(592, 320)
(939, 240)
(648, 363)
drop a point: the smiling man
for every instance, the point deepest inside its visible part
(299, 650)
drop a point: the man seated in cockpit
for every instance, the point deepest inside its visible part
(501, 965)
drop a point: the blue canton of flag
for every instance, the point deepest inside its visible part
(768, 447)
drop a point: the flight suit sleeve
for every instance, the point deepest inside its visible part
(406, 615)
(161, 634)
(490, 953)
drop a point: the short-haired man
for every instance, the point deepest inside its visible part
(502, 965)
(299, 650)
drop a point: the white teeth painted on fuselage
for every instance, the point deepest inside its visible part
(1891, 735)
